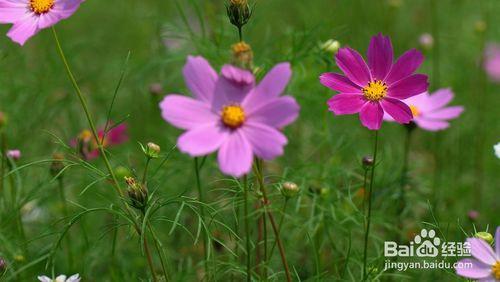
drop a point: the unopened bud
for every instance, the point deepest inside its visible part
(151, 150)
(3, 120)
(367, 162)
(242, 55)
(156, 89)
(330, 46)
(57, 164)
(122, 172)
(238, 12)
(485, 236)
(3, 266)
(137, 194)
(426, 41)
(13, 154)
(473, 215)
(289, 189)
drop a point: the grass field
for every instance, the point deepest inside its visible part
(74, 222)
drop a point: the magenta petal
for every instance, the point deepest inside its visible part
(237, 75)
(371, 115)
(118, 134)
(353, 65)
(235, 155)
(407, 87)
(440, 98)
(380, 56)
(267, 142)
(445, 113)
(407, 64)
(271, 86)
(431, 125)
(200, 78)
(11, 12)
(202, 140)
(346, 104)
(472, 268)
(23, 30)
(338, 82)
(398, 110)
(186, 113)
(497, 242)
(277, 113)
(232, 87)
(482, 251)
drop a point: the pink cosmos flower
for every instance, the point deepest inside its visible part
(231, 114)
(13, 154)
(492, 61)
(430, 111)
(87, 145)
(30, 16)
(485, 266)
(378, 87)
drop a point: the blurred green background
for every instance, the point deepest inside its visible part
(451, 172)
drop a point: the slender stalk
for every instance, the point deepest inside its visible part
(149, 258)
(202, 213)
(240, 34)
(62, 195)
(369, 216)
(283, 212)
(160, 252)
(404, 175)
(145, 173)
(247, 227)
(3, 148)
(365, 177)
(263, 221)
(260, 178)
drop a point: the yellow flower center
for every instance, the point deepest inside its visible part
(414, 111)
(496, 270)
(375, 90)
(233, 116)
(41, 6)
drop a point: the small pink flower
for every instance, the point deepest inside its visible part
(231, 114)
(377, 88)
(430, 111)
(14, 154)
(31, 16)
(492, 61)
(485, 266)
(87, 144)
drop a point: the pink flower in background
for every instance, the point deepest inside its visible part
(485, 266)
(13, 154)
(231, 114)
(430, 111)
(377, 88)
(492, 61)
(30, 16)
(87, 145)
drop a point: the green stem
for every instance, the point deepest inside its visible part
(202, 213)
(149, 258)
(264, 221)
(404, 176)
(247, 227)
(145, 174)
(283, 212)
(3, 148)
(62, 195)
(369, 216)
(160, 252)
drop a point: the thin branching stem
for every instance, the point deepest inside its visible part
(202, 213)
(247, 227)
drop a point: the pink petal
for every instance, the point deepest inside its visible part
(407, 64)
(232, 87)
(23, 30)
(353, 65)
(445, 113)
(186, 113)
(13, 11)
(440, 98)
(200, 78)
(398, 110)
(482, 251)
(497, 242)
(431, 125)
(48, 20)
(338, 82)
(380, 56)
(472, 268)
(202, 140)
(271, 86)
(371, 115)
(277, 113)
(267, 142)
(346, 104)
(407, 87)
(235, 155)
(118, 134)
(237, 75)
(62, 9)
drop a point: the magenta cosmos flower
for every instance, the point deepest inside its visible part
(378, 87)
(87, 145)
(492, 61)
(485, 266)
(30, 16)
(231, 114)
(14, 154)
(430, 111)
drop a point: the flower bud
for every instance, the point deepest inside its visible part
(238, 12)
(289, 189)
(485, 236)
(13, 154)
(242, 55)
(3, 120)
(367, 162)
(426, 41)
(57, 164)
(480, 26)
(473, 215)
(3, 266)
(156, 89)
(330, 46)
(137, 194)
(151, 150)
(122, 172)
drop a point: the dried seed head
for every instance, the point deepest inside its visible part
(367, 162)
(242, 55)
(238, 12)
